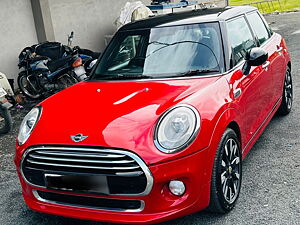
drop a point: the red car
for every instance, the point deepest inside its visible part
(160, 129)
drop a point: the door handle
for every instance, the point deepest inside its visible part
(237, 92)
(279, 49)
(266, 64)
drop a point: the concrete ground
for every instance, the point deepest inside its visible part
(271, 182)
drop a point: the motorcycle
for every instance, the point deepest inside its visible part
(89, 58)
(47, 69)
(5, 116)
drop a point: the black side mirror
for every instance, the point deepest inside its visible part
(254, 57)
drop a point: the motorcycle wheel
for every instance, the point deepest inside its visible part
(28, 88)
(66, 81)
(5, 121)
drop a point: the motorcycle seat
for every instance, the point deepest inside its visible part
(38, 58)
(94, 55)
(56, 64)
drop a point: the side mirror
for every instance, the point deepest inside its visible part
(254, 57)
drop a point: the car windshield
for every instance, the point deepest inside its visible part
(176, 51)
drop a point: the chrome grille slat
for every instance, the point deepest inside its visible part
(80, 166)
(85, 155)
(81, 160)
(63, 201)
(129, 174)
(98, 151)
(121, 174)
(126, 173)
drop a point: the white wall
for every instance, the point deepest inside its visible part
(17, 32)
(89, 19)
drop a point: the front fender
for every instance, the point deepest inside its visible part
(227, 116)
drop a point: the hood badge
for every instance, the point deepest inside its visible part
(78, 137)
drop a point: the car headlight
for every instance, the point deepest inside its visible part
(28, 124)
(177, 128)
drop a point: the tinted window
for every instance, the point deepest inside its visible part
(240, 38)
(164, 52)
(126, 52)
(259, 27)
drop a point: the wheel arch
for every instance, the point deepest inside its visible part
(228, 119)
(236, 128)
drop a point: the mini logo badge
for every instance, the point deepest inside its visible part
(78, 137)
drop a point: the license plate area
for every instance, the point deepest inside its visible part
(77, 183)
(2, 92)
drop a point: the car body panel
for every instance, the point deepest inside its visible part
(122, 114)
(132, 111)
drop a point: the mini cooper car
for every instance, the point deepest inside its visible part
(160, 130)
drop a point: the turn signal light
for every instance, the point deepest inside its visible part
(77, 62)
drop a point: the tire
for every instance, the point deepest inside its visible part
(227, 174)
(5, 121)
(27, 88)
(287, 94)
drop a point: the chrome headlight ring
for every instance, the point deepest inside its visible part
(28, 124)
(177, 128)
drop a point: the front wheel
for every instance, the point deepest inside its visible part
(29, 86)
(287, 95)
(5, 121)
(227, 174)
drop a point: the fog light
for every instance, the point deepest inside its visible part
(177, 187)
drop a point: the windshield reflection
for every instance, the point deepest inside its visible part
(163, 52)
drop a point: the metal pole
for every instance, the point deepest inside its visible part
(42, 19)
(226, 2)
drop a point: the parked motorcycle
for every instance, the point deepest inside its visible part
(5, 117)
(89, 58)
(47, 68)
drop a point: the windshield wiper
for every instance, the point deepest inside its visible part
(160, 43)
(165, 45)
(124, 76)
(196, 72)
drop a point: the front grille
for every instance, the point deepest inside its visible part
(90, 202)
(126, 174)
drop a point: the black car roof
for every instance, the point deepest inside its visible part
(189, 17)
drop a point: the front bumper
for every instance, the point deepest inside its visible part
(159, 205)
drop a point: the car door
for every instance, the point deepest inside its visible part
(250, 92)
(275, 65)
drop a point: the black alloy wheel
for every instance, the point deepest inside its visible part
(287, 95)
(227, 174)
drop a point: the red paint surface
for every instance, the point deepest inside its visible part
(124, 114)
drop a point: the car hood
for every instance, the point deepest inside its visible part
(113, 114)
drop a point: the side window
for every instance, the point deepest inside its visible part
(259, 27)
(127, 51)
(240, 38)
